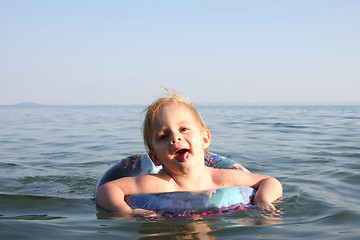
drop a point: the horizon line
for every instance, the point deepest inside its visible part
(237, 103)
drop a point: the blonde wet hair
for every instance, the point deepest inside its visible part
(152, 112)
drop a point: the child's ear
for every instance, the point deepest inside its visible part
(154, 159)
(206, 138)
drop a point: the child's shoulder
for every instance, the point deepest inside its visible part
(224, 176)
(143, 179)
(151, 183)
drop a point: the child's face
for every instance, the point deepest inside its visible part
(178, 140)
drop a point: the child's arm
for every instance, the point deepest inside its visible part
(268, 190)
(111, 197)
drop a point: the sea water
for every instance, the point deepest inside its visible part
(52, 156)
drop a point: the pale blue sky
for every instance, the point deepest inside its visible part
(122, 52)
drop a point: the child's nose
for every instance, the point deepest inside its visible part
(175, 139)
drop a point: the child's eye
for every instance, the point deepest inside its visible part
(183, 129)
(162, 136)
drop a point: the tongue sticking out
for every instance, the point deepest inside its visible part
(181, 155)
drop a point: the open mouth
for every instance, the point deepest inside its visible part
(181, 151)
(181, 154)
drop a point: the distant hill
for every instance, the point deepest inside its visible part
(28, 104)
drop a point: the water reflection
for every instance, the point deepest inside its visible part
(152, 225)
(190, 230)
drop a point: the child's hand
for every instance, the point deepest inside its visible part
(264, 207)
(267, 208)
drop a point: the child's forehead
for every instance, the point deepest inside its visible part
(179, 112)
(176, 110)
(176, 106)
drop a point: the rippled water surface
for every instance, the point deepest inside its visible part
(52, 157)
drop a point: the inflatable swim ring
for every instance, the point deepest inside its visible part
(206, 203)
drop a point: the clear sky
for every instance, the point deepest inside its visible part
(87, 52)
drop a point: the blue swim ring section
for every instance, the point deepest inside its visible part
(205, 203)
